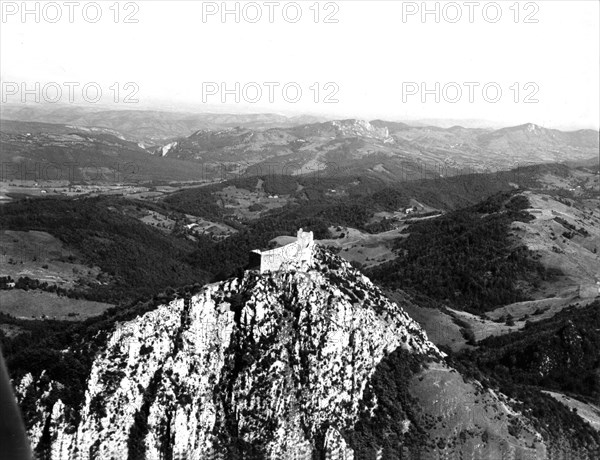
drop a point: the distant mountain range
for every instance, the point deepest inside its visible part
(385, 149)
(50, 152)
(184, 146)
(147, 126)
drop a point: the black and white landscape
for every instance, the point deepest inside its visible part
(300, 230)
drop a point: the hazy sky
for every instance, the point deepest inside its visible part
(374, 62)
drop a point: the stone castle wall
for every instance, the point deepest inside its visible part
(298, 252)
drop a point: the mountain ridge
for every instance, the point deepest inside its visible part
(384, 149)
(300, 333)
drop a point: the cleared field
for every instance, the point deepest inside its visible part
(367, 249)
(145, 195)
(159, 221)
(484, 328)
(536, 310)
(194, 225)
(589, 412)
(567, 238)
(245, 204)
(440, 327)
(41, 256)
(522, 312)
(66, 188)
(461, 407)
(206, 227)
(39, 304)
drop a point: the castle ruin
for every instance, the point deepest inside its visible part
(297, 253)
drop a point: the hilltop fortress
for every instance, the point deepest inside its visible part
(299, 252)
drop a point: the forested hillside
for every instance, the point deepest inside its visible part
(467, 257)
(136, 259)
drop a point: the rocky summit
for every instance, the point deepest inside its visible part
(269, 365)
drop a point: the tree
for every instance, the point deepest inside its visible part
(510, 320)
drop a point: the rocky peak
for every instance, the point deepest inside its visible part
(361, 128)
(272, 365)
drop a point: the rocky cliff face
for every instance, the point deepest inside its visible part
(271, 366)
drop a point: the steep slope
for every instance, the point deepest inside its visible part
(540, 365)
(467, 258)
(310, 361)
(265, 365)
(565, 233)
(561, 353)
